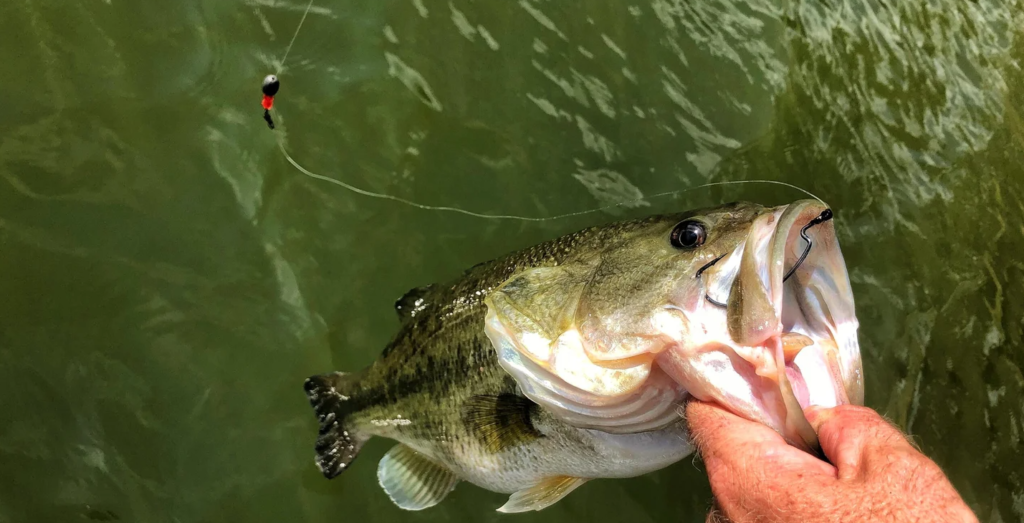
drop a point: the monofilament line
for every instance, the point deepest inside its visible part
(296, 34)
(371, 194)
(443, 208)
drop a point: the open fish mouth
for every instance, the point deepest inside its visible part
(790, 321)
(817, 306)
(761, 320)
(811, 294)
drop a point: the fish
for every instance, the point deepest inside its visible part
(536, 372)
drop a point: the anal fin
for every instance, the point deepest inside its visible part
(542, 495)
(413, 481)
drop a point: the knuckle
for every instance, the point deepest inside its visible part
(856, 413)
(853, 423)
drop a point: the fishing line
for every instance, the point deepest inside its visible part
(458, 210)
(295, 35)
(271, 85)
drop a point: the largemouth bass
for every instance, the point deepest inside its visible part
(568, 361)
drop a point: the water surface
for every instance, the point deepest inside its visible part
(168, 279)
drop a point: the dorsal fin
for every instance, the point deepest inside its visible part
(412, 302)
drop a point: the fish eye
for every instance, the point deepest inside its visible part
(688, 235)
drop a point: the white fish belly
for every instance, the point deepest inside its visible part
(570, 451)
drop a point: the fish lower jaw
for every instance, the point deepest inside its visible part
(815, 376)
(810, 373)
(753, 382)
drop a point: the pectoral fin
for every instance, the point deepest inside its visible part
(542, 495)
(500, 422)
(413, 481)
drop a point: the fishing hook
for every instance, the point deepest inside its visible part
(701, 271)
(825, 216)
(708, 266)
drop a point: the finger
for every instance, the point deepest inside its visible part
(850, 435)
(725, 438)
(747, 461)
(716, 431)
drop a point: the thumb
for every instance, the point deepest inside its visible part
(751, 468)
(850, 435)
(737, 448)
(718, 433)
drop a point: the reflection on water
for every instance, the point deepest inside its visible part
(169, 279)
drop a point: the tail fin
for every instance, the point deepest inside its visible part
(338, 444)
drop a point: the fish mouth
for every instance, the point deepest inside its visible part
(765, 327)
(790, 316)
(812, 295)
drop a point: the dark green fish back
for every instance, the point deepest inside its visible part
(439, 380)
(438, 387)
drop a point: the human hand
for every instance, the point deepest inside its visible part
(875, 474)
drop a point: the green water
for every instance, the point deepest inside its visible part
(167, 279)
